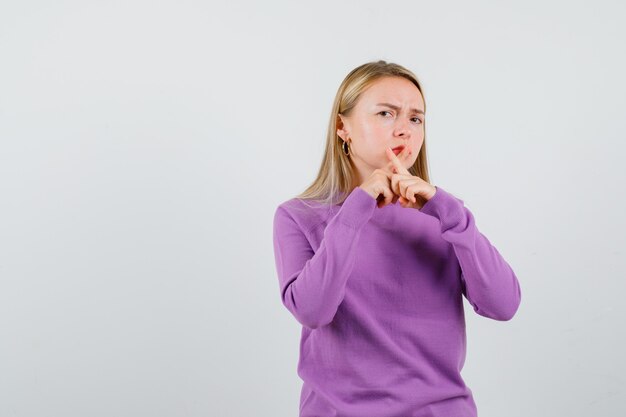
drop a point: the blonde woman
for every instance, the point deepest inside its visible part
(373, 262)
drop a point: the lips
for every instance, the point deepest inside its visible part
(398, 149)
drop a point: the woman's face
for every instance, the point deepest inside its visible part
(389, 113)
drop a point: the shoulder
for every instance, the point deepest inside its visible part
(303, 212)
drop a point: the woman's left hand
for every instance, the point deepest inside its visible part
(408, 187)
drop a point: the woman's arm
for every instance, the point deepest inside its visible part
(312, 284)
(489, 283)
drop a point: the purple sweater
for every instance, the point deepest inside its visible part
(378, 292)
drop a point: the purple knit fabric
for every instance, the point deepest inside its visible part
(378, 292)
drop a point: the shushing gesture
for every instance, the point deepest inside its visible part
(413, 191)
(395, 183)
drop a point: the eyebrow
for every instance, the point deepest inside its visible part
(393, 106)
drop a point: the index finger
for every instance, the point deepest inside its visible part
(394, 161)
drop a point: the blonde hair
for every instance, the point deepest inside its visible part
(336, 174)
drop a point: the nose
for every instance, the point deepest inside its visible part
(402, 132)
(402, 128)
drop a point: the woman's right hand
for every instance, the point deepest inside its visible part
(379, 182)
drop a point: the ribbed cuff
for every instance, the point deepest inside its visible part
(357, 208)
(443, 205)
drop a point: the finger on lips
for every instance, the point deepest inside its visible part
(395, 162)
(396, 166)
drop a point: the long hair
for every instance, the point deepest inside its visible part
(337, 173)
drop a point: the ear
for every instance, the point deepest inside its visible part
(342, 132)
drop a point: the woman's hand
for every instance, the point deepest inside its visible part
(379, 182)
(376, 184)
(413, 191)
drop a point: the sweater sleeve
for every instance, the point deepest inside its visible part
(489, 283)
(312, 284)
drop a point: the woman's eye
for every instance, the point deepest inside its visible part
(417, 119)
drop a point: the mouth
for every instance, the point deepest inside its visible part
(398, 149)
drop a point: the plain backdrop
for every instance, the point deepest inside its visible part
(144, 146)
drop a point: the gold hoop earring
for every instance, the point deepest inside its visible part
(346, 150)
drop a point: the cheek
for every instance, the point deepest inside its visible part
(372, 133)
(374, 139)
(417, 148)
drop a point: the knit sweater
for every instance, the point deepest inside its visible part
(378, 292)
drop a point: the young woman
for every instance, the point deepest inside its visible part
(373, 261)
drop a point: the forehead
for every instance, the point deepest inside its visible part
(396, 90)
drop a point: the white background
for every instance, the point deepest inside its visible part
(144, 146)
